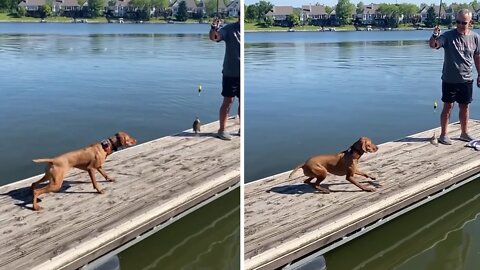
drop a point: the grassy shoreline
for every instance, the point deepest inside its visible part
(5, 18)
(252, 27)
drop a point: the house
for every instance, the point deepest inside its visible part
(313, 13)
(233, 9)
(222, 8)
(424, 11)
(192, 8)
(68, 8)
(280, 14)
(119, 8)
(32, 6)
(369, 14)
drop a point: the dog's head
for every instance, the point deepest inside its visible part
(124, 140)
(363, 145)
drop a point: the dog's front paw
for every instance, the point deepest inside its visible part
(110, 179)
(101, 191)
(368, 189)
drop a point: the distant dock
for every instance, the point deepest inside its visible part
(287, 220)
(156, 182)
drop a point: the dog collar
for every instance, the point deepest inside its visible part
(107, 146)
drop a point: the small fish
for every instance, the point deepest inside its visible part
(433, 140)
(199, 89)
(196, 125)
(434, 106)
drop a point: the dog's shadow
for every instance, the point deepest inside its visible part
(24, 195)
(299, 189)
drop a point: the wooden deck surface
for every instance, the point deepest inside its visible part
(286, 219)
(154, 181)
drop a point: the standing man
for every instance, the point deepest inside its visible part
(462, 49)
(231, 69)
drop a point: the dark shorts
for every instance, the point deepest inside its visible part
(231, 86)
(457, 92)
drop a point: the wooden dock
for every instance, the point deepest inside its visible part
(286, 219)
(155, 182)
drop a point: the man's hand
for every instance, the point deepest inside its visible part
(215, 24)
(436, 31)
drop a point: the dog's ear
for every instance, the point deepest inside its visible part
(123, 139)
(364, 143)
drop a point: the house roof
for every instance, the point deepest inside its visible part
(66, 3)
(232, 4)
(190, 3)
(370, 9)
(435, 7)
(314, 10)
(280, 10)
(32, 3)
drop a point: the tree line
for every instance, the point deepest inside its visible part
(388, 14)
(140, 9)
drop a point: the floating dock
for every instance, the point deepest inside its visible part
(287, 221)
(155, 182)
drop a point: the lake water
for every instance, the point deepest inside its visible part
(317, 92)
(64, 86)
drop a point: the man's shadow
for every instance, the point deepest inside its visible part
(202, 134)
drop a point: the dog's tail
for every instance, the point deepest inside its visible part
(38, 160)
(296, 169)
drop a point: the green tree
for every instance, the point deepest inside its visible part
(293, 19)
(263, 7)
(328, 10)
(409, 11)
(431, 17)
(360, 7)
(21, 11)
(268, 21)
(95, 7)
(344, 11)
(45, 11)
(160, 6)
(251, 13)
(142, 9)
(182, 14)
(211, 7)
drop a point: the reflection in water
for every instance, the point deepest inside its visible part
(217, 236)
(434, 236)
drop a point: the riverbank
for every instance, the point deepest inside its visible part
(252, 27)
(6, 18)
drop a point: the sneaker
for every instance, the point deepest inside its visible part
(466, 137)
(224, 135)
(444, 139)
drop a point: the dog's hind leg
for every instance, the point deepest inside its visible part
(307, 181)
(320, 173)
(46, 177)
(51, 187)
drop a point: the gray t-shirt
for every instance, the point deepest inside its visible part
(459, 50)
(231, 62)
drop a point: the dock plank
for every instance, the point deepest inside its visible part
(286, 219)
(154, 182)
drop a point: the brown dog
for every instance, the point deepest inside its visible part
(344, 163)
(89, 159)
